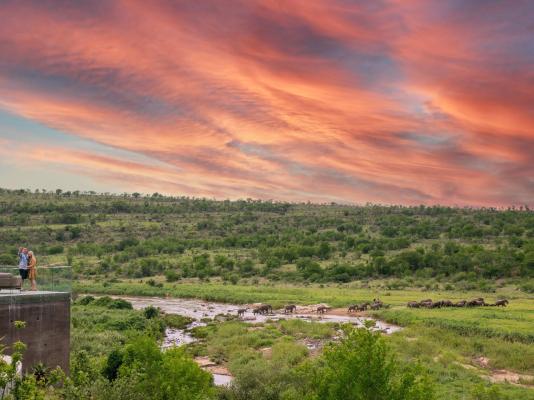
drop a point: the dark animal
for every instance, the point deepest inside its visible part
(376, 306)
(461, 303)
(446, 303)
(263, 309)
(290, 309)
(241, 312)
(363, 307)
(436, 304)
(502, 303)
(425, 303)
(413, 304)
(322, 309)
(353, 308)
(476, 303)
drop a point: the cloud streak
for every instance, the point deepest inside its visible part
(393, 102)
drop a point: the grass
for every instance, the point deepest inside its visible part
(447, 342)
(278, 295)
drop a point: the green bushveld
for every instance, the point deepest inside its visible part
(254, 251)
(179, 238)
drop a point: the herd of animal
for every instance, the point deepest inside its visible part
(376, 304)
(266, 309)
(479, 302)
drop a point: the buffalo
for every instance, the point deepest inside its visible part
(502, 303)
(322, 309)
(290, 309)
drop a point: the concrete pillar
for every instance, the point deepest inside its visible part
(47, 331)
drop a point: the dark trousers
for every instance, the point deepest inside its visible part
(23, 273)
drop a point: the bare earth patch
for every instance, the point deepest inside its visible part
(221, 375)
(499, 375)
(504, 376)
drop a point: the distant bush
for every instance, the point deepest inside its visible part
(172, 276)
(55, 250)
(177, 321)
(85, 300)
(153, 283)
(362, 367)
(150, 312)
(113, 304)
(527, 287)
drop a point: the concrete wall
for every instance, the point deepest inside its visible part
(47, 331)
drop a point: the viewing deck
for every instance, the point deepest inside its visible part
(46, 314)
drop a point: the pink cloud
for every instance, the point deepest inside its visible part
(397, 102)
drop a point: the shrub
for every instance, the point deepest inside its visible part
(361, 368)
(55, 249)
(85, 300)
(150, 312)
(172, 276)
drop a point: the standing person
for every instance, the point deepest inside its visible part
(32, 270)
(23, 264)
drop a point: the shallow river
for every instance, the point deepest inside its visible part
(199, 309)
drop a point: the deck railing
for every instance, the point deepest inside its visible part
(56, 278)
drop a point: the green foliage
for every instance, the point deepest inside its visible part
(134, 237)
(18, 385)
(113, 363)
(85, 300)
(485, 392)
(362, 367)
(151, 312)
(171, 375)
(112, 304)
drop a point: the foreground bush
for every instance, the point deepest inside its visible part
(361, 367)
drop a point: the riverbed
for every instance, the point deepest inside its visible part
(201, 310)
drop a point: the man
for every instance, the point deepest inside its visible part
(23, 264)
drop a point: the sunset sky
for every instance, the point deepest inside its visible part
(396, 102)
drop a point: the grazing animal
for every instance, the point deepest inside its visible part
(290, 309)
(476, 303)
(353, 308)
(265, 309)
(425, 303)
(461, 303)
(257, 310)
(376, 306)
(241, 312)
(446, 303)
(502, 303)
(437, 304)
(322, 309)
(413, 304)
(363, 307)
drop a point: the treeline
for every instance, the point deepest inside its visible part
(179, 237)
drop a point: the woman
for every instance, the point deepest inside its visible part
(32, 270)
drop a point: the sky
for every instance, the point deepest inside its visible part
(392, 102)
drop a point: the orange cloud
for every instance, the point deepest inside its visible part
(389, 102)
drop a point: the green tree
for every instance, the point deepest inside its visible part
(362, 368)
(157, 375)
